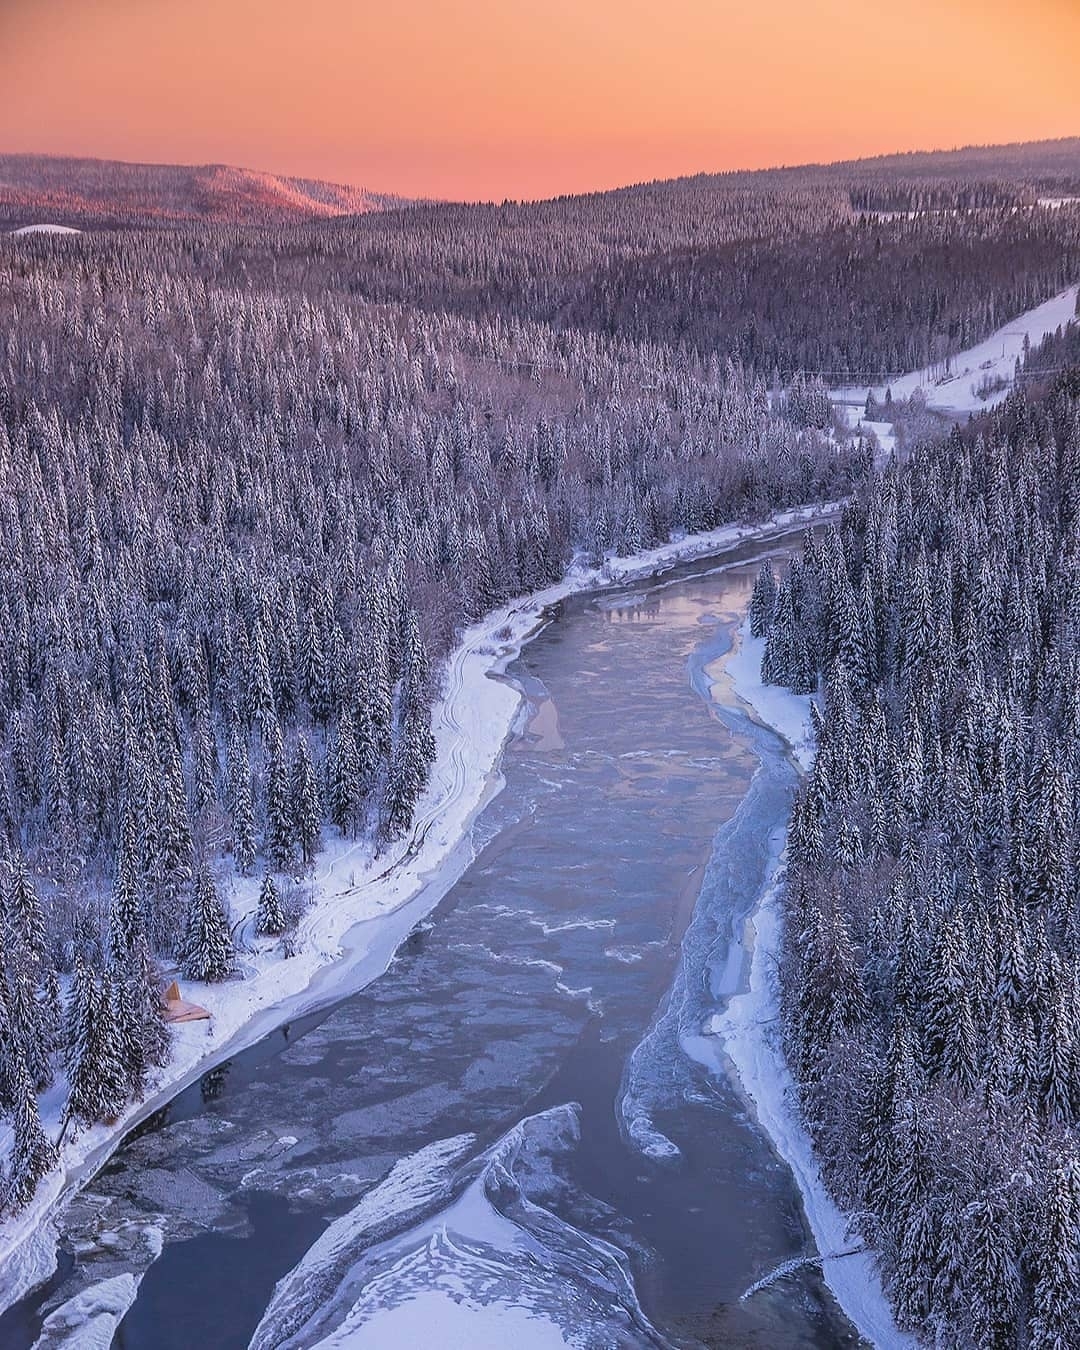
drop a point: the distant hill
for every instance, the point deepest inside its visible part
(649, 216)
(41, 189)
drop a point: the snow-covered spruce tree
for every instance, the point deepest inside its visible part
(98, 1078)
(270, 918)
(763, 601)
(345, 786)
(127, 921)
(280, 821)
(172, 870)
(119, 1072)
(142, 1029)
(305, 806)
(206, 952)
(34, 1154)
(32, 997)
(1055, 1324)
(241, 801)
(414, 744)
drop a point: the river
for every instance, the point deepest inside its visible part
(516, 1132)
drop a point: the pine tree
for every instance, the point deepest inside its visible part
(992, 1278)
(207, 949)
(1056, 1302)
(127, 924)
(241, 803)
(414, 745)
(32, 1007)
(270, 919)
(34, 1154)
(280, 824)
(306, 809)
(141, 1030)
(763, 601)
(86, 1103)
(172, 863)
(115, 1062)
(345, 789)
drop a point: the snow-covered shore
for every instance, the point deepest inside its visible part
(750, 1034)
(363, 906)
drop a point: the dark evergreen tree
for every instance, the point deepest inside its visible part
(34, 1154)
(270, 919)
(207, 949)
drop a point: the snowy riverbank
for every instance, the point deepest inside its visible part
(364, 906)
(750, 1032)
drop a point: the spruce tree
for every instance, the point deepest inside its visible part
(762, 601)
(207, 949)
(86, 1095)
(127, 924)
(1055, 1324)
(34, 1153)
(241, 803)
(280, 824)
(344, 786)
(306, 809)
(270, 919)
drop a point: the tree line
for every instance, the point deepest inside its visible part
(930, 965)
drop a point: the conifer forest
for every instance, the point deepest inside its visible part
(266, 454)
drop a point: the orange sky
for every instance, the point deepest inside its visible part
(525, 98)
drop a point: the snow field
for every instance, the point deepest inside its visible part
(44, 229)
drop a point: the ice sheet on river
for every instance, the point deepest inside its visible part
(89, 1320)
(465, 1248)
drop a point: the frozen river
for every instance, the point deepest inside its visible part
(516, 1135)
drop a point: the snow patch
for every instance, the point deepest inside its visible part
(994, 358)
(785, 712)
(44, 229)
(463, 1324)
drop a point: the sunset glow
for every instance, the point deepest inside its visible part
(486, 99)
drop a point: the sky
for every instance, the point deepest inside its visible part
(476, 99)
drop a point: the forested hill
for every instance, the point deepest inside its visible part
(853, 271)
(106, 194)
(931, 962)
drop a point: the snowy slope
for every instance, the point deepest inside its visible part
(45, 229)
(993, 358)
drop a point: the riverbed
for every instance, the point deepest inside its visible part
(515, 1124)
